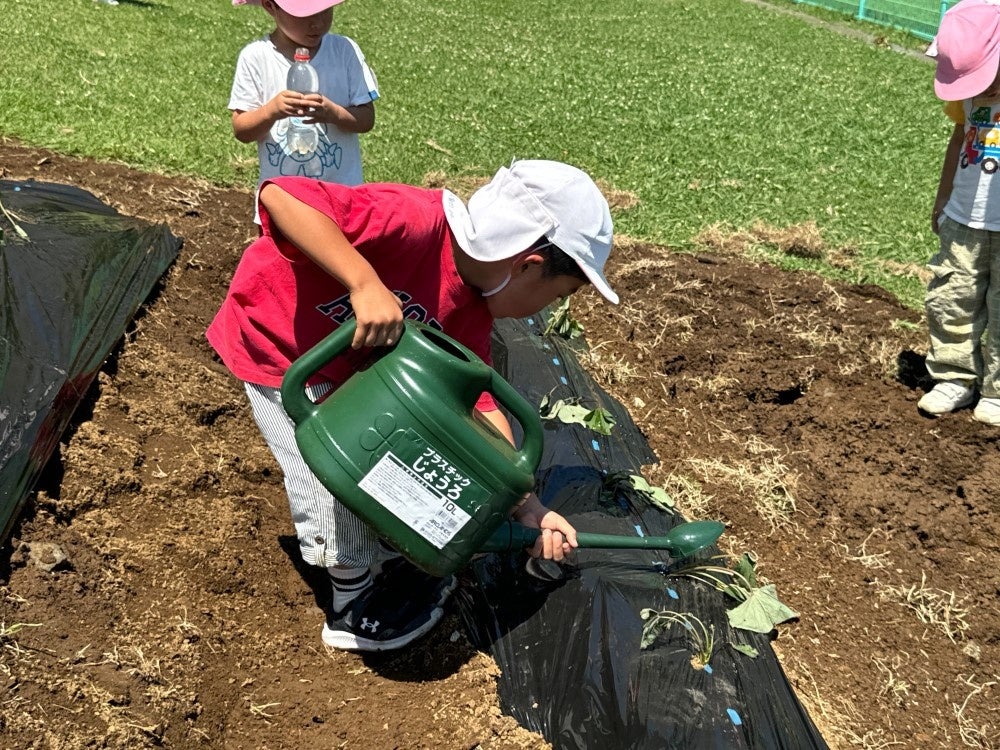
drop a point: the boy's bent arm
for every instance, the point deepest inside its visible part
(378, 311)
(496, 418)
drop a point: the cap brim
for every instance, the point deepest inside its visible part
(606, 291)
(600, 283)
(457, 217)
(952, 86)
(306, 8)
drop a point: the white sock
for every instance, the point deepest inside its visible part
(348, 583)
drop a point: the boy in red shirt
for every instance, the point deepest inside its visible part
(537, 232)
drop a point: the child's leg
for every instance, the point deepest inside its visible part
(329, 534)
(956, 303)
(991, 349)
(401, 604)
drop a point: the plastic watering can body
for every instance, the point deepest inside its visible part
(400, 445)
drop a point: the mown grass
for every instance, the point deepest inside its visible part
(719, 112)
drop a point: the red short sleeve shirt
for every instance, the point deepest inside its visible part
(280, 304)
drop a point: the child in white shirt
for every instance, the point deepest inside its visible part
(344, 107)
(963, 298)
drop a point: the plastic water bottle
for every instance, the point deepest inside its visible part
(302, 77)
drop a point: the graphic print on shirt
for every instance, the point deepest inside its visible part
(982, 140)
(340, 309)
(294, 164)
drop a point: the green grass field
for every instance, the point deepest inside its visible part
(715, 112)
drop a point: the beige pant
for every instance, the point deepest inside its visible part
(963, 303)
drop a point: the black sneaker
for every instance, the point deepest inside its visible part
(396, 610)
(402, 575)
(386, 553)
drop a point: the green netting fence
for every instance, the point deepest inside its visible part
(919, 17)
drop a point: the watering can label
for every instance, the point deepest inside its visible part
(424, 490)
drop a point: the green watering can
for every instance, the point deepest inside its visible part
(400, 444)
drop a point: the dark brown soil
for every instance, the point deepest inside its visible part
(181, 619)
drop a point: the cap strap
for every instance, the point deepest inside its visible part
(497, 288)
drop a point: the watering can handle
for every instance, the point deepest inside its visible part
(530, 453)
(299, 407)
(293, 385)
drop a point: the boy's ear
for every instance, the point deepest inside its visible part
(530, 259)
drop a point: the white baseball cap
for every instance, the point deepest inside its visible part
(536, 198)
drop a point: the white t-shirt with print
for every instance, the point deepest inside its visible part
(344, 78)
(975, 193)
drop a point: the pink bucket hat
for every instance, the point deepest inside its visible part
(297, 8)
(967, 50)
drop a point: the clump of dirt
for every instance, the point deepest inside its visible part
(782, 403)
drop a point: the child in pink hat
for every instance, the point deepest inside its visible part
(343, 108)
(963, 298)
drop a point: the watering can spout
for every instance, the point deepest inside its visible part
(681, 541)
